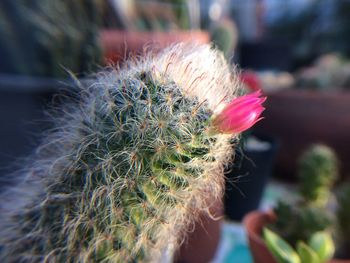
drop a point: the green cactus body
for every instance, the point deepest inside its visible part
(300, 222)
(224, 35)
(318, 171)
(130, 168)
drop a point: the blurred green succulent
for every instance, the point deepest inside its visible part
(224, 35)
(300, 222)
(156, 15)
(319, 248)
(318, 171)
(41, 38)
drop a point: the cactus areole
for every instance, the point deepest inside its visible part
(127, 171)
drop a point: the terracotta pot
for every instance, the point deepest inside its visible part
(118, 45)
(202, 243)
(254, 223)
(298, 118)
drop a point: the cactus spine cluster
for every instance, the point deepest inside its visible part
(127, 171)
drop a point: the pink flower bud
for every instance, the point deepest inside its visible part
(240, 114)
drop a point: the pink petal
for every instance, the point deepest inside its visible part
(240, 114)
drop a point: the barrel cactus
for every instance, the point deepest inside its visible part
(127, 170)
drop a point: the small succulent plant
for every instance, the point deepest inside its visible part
(318, 171)
(300, 222)
(129, 169)
(319, 248)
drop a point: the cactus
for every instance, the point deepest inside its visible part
(41, 38)
(125, 174)
(318, 171)
(300, 222)
(156, 15)
(224, 35)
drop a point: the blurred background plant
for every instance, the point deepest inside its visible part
(317, 173)
(314, 210)
(329, 71)
(43, 44)
(154, 15)
(45, 38)
(224, 35)
(318, 249)
(316, 28)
